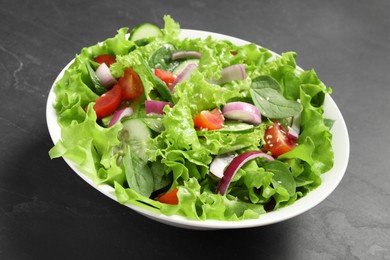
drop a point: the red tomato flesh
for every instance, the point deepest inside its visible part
(210, 120)
(169, 197)
(165, 76)
(105, 58)
(107, 103)
(131, 85)
(277, 141)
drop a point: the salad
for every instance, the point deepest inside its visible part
(200, 128)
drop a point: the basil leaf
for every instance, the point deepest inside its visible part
(267, 96)
(282, 176)
(138, 174)
(160, 179)
(161, 58)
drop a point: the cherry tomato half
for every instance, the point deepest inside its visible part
(210, 120)
(105, 58)
(165, 76)
(107, 103)
(169, 197)
(131, 85)
(277, 141)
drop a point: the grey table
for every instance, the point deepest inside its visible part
(48, 212)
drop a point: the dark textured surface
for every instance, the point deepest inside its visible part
(47, 212)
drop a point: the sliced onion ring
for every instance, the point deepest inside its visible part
(119, 114)
(235, 165)
(242, 111)
(186, 55)
(156, 106)
(185, 74)
(105, 76)
(233, 72)
(295, 128)
(220, 162)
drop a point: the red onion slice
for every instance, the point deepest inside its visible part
(295, 128)
(186, 55)
(235, 165)
(220, 162)
(185, 74)
(105, 76)
(242, 111)
(156, 106)
(233, 72)
(119, 114)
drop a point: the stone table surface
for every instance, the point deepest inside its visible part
(48, 212)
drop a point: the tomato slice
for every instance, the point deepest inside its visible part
(131, 85)
(277, 141)
(169, 197)
(165, 76)
(107, 103)
(210, 120)
(105, 58)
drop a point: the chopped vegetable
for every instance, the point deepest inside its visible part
(106, 104)
(235, 165)
(277, 141)
(186, 55)
(106, 59)
(144, 31)
(184, 75)
(242, 111)
(131, 85)
(182, 65)
(156, 106)
(169, 197)
(105, 76)
(210, 120)
(233, 72)
(219, 163)
(118, 115)
(295, 128)
(97, 85)
(166, 76)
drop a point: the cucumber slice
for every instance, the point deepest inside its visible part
(142, 42)
(162, 89)
(237, 127)
(143, 31)
(97, 85)
(136, 134)
(232, 127)
(154, 123)
(183, 65)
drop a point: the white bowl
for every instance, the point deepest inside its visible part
(330, 179)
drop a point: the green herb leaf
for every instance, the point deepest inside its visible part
(161, 58)
(160, 179)
(267, 96)
(138, 174)
(282, 176)
(97, 87)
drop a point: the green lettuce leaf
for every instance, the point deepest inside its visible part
(87, 144)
